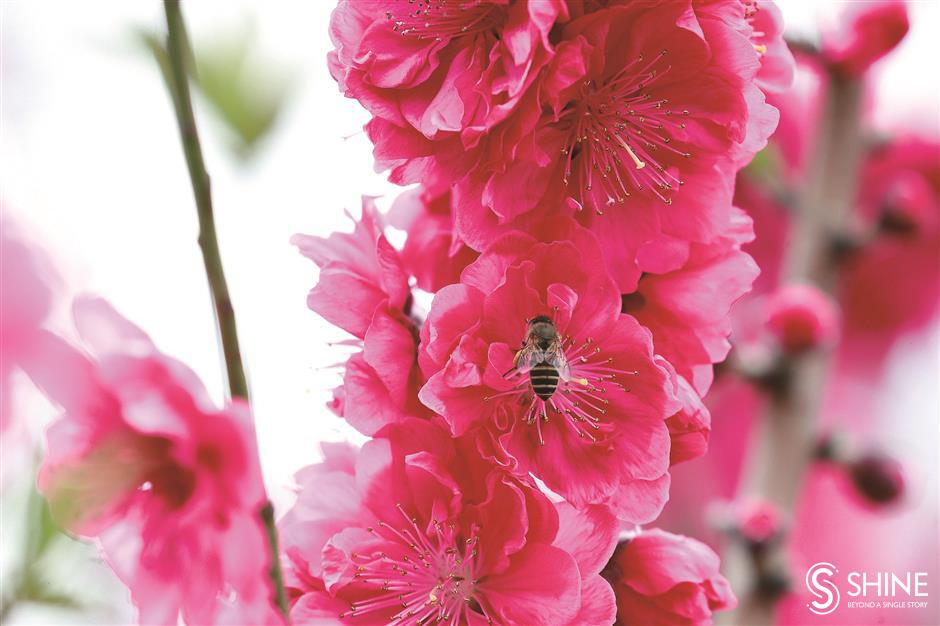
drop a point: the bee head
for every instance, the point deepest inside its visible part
(540, 319)
(542, 329)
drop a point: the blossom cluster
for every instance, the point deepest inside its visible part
(571, 215)
(572, 220)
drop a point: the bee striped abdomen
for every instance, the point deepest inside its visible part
(544, 380)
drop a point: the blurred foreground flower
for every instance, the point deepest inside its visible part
(142, 461)
(27, 281)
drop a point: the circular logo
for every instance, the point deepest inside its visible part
(823, 589)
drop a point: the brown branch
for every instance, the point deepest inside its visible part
(783, 441)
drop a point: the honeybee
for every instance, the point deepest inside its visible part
(542, 357)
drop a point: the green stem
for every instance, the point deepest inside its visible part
(280, 597)
(178, 53)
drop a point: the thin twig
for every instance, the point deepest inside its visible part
(178, 52)
(280, 597)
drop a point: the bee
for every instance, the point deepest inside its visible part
(542, 357)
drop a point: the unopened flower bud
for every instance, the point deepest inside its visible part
(801, 317)
(759, 522)
(908, 205)
(877, 477)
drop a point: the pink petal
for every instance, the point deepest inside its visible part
(541, 586)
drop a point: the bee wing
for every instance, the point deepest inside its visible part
(527, 358)
(555, 356)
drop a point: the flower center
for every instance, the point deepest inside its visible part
(621, 137)
(442, 19)
(751, 9)
(173, 484)
(428, 576)
(162, 475)
(579, 396)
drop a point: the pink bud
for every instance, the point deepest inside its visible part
(801, 317)
(759, 522)
(907, 204)
(877, 477)
(867, 32)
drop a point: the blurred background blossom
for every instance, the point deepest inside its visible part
(91, 170)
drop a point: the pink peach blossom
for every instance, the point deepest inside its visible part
(601, 437)
(617, 126)
(440, 68)
(687, 308)
(776, 63)
(685, 300)
(690, 426)
(363, 289)
(378, 536)
(865, 33)
(589, 534)
(432, 253)
(144, 462)
(661, 578)
(359, 271)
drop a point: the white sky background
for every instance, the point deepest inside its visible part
(91, 161)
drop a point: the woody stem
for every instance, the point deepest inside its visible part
(782, 444)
